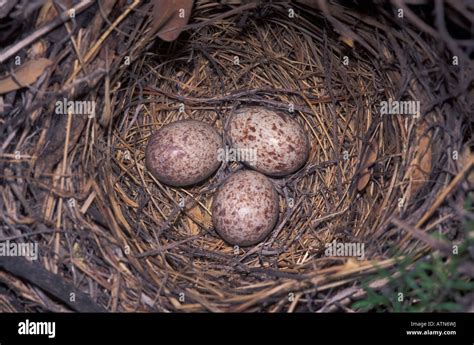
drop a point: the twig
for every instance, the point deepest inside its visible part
(446, 192)
(63, 17)
(423, 236)
(49, 282)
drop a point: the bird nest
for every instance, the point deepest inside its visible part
(376, 100)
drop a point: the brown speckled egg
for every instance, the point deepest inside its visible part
(245, 208)
(183, 152)
(280, 144)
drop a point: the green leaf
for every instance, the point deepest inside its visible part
(448, 306)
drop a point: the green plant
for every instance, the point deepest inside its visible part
(433, 284)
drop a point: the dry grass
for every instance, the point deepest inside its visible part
(128, 241)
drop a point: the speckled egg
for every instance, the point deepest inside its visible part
(280, 144)
(245, 208)
(183, 153)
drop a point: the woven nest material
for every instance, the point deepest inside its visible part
(108, 229)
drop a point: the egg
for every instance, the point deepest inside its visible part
(277, 142)
(245, 208)
(183, 153)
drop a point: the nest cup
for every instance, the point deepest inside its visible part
(362, 160)
(370, 170)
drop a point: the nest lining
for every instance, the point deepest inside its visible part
(137, 244)
(281, 66)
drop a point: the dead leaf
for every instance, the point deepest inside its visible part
(352, 263)
(201, 217)
(37, 50)
(347, 40)
(169, 17)
(47, 13)
(370, 156)
(363, 180)
(26, 74)
(420, 167)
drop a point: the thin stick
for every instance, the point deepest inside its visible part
(446, 192)
(423, 236)
(63, 172)
(63, 17)
(102, 38)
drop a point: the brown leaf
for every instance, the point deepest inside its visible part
(363, 180)
(347, 40)
(370, 156)
(169, 17)
(201, 217)
(26, 74)
(420, 166)
(196, 213)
